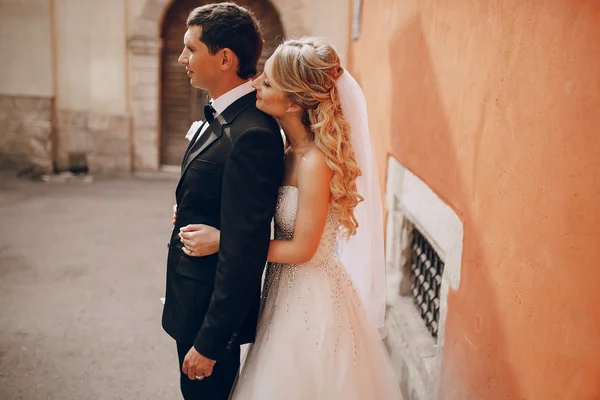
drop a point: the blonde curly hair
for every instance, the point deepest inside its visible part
(306, 70)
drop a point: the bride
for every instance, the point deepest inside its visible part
(319, 334)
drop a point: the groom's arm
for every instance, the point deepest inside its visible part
(251, 178)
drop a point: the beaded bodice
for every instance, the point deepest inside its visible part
(285, 219)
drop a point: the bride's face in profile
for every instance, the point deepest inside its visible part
(269, 99)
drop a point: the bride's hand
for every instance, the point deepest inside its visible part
(200, 240)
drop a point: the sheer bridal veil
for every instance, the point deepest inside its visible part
(363, 254)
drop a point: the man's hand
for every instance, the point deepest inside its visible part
(200, 240)
(196, 366)
(174, 213)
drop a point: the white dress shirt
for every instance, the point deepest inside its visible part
(220, 104)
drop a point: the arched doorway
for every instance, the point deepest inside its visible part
(181, 104)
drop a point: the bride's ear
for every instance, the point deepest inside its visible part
(293, 108)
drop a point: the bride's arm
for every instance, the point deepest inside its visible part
(314, 177)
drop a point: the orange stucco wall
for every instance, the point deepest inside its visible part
(496, 105)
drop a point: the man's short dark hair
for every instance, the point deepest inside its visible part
(227, 25)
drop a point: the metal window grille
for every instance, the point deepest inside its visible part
(426, 270)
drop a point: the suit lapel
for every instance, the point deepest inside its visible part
(212, 133)
(192, 142)
(215, 130)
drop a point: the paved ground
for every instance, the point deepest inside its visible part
(81, 274)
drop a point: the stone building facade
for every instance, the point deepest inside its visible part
(83, 83)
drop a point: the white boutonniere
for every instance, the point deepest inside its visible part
(192, 131)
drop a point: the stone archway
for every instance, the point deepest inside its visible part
(145, 48)
(180, 103)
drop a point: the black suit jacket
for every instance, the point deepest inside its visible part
(230, 180)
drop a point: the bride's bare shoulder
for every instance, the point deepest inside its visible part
(314, 164)
(314, 157)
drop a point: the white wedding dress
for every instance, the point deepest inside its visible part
(314, 339)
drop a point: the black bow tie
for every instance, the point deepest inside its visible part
(209, 113)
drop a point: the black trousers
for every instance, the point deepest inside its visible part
(215, 387)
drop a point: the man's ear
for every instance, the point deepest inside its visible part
(228, 59)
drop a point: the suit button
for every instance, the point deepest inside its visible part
(230, 343)
(234, 334)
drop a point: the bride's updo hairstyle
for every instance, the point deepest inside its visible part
(306, 70)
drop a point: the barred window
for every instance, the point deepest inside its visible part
(424, 245)
(426, 269)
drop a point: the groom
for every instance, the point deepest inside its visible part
(229, 179)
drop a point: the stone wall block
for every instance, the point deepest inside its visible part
(7, 102)
(109, 147)
(153, 10)
(98, 122)
(146, 156)
(40, 130)
(120, 124)
(101, 164)
(71, 119)
(25, 129)
(144, 62)
(38, 105)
